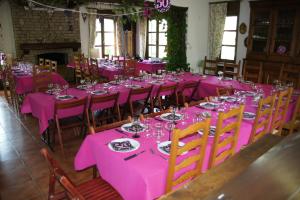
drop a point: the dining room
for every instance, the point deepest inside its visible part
(142, 100)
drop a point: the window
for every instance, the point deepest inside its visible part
(229, 41)
(157, 38)
(105, 39)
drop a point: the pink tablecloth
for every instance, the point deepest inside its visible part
(44, 110)
(150, 67)
(107, 71)
(24, 83)
(143, 177)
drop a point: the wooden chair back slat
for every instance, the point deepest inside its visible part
(198, 145)
(224, 91)
(142, 95)
(232, 70)
(290, 73)
(105, 127)
(189, 87)
(235, 114)
(210, 66)
(281, 107)
(261, 125)
(41, 81)
(167, 90)
(253, 72)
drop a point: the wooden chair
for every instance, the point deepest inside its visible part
(103, 108)
(166, 96)
(41, 81)
(195, 103)
(121, 62)
(193, 162)
(279, 116)
(253, 72)
(78, 70)
(47, 63)
(152, 115)
(232, 70)
(106, 57)
(41, 61)
(94, 130)
(114, 58)
(294, 123)
(64, 119)
(86, 70)
(140, 98)
(261, 125)
(290, 74)
(130, 68)
(94, 70)
(210, 66)
(94, 189)
(54, 66)
(224, 149)
(5, 83)
(188, 91)
(225, 91)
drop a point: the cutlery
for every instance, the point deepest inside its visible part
(120, 131)
(134, 155)
(152, 151)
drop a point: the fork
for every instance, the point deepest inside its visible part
(152, 151)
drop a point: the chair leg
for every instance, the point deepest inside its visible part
(60, 138)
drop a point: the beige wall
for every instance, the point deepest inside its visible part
(7, 42)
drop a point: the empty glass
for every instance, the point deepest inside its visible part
(158, 132)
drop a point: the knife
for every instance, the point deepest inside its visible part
(120, 131)
(134, 155)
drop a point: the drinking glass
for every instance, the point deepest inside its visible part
(170, 127)
(158, 132)
(148, 127)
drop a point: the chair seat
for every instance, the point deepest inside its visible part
(98, 189)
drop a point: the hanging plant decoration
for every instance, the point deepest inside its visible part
(162, 5)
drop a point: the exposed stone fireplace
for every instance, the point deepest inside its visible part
(41, 32)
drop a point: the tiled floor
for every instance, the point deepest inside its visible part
(23, 171)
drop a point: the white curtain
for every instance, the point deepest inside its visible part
(142, 36)
(217, 16)
(92, 34)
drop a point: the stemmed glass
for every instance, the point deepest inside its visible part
(94, 83)
(170, 127)
(158, 128)
(136, 123)
(220, 75)
(148, 127)
(65, 87)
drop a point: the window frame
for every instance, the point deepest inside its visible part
(102, 32)
(236, 39)
(157, 45)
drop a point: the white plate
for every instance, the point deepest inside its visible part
(209, 105)
(227, 79)
(247, 93)
(212, 131)
(228, 99)
(165, 143)
(64, 97)
(125, 128)
(133, 86)
(163, 117)
(98, 92)
(157, 82)
(251, 116)
(133, 142)
(82, 87)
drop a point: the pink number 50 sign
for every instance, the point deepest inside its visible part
(162, 5)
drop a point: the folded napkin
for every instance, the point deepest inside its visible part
(172, 116)
(134, 128)
(122, 146)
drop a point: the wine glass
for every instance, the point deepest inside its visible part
(220, 75)
(136, 124)
(148, 127)
(65, 87)
(158, 132)
(82, 81)
(170, 127)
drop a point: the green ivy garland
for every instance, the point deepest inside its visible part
(176, 37)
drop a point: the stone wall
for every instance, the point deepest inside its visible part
(32, 26)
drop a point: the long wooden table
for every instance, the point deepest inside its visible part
(215, 178)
